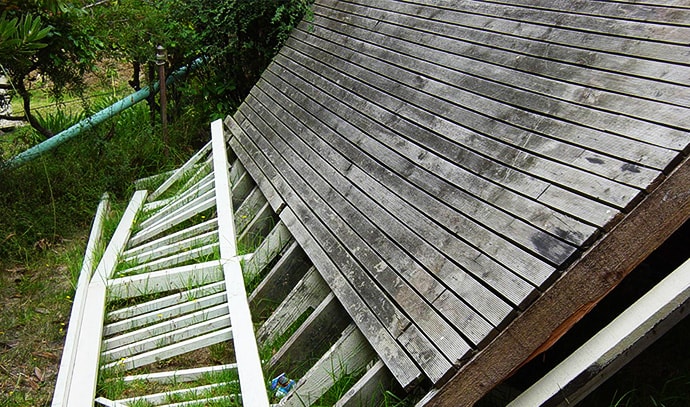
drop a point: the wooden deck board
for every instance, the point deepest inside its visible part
(443, 163)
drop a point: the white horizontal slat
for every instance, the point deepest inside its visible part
(170, 351)
(157, 341)
(178, 236)
(199, 403)
(184, 277)
(203, 186)
(163, 314)
(200, 205)
(159, 398)
(164, 302)
(180, 172)
(171, 261)
(164, 326)
(176, 247)
(180, 376)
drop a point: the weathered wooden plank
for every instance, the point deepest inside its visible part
(164, 326)
(152, 341)
(640, 325)
(312, 338)
(263, 182)
(242, 185)
(199, 253)
(418, 278)
(370, 388)
(246, 351)
(171, 239)
(183, 277)
(637, 12)
(350, 354)
(307, 294)
(200, 205)
(512, 38)
(640, 30)
(332, 207)
(446, 119)
(161, 314)
(170, 351)
(64, 377)
(580, 288)
(142, 256)
(270, 247)
(273, 289)
(499, 278)
(404, 370)
(180, 376)
(259, 226)
(497, 19)
(519, 261)
(452, 57)
(249, 209)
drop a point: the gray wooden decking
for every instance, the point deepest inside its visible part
(443, 163)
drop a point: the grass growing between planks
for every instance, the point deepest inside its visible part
(47, 208)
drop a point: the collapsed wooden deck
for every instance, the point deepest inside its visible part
(443, 164)
(442, 189)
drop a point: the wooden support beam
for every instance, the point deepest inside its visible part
(82, 389)
(249, 209)
(648, 319)
(370, 388)
(586, 282)
(287, 272)
(248, 362)
(277, 239)
(312, 338)
(76, 318)
(349, 354)
(258, 226)
(306, 294)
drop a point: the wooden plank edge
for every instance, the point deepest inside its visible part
(69, 350)
(615, 345)
(246, 350)
(586, 282)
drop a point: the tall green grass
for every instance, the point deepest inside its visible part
(55, 196)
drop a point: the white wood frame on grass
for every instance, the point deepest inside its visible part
(613, 347)
(172, 260)
(159, 398)
(82, 389)
(166, 250)
(181, 235)
(69, 350)
(248, 361)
